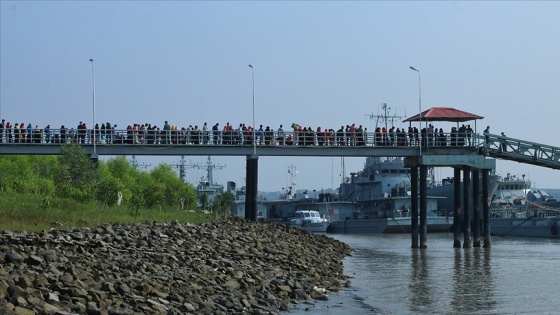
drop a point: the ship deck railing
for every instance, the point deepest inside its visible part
(522, 213)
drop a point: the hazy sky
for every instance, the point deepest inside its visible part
(316, 63)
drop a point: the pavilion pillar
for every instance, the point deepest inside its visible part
(423, 206)
(486, 209)
(467, 202)
(414, 206)
(457, 207)
(252, 175)
(476, 208)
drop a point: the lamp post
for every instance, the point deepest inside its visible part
(93, 125)
(419, 104)
(421, 192)
(254, 126)
(252, 175)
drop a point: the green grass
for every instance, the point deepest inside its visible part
(34, 213)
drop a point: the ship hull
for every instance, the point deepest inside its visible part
(314, 227)
(526, 227)
(396, 225)
(447, 203)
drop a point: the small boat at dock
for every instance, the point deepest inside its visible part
(309, 220)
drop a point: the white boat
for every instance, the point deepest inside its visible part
(309, 220)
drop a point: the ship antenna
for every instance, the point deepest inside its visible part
(384, 118)
(209, 169)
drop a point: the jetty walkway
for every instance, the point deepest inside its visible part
(274, 143)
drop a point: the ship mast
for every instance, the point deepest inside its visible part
(343, 169)
(291, 190)
(385, 117)
(209, 169)
(135, 164)
(181, 168)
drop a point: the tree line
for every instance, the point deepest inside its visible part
(72, 174)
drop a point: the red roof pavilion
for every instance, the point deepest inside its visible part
(444, 114)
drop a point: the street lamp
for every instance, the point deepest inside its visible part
(254, 126)
(419, 105)
(93, 125)
(252, 170)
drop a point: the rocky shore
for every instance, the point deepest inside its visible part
(224, 267)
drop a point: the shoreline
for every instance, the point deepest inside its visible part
(223, 267)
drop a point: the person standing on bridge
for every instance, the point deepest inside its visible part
(280, 135)
(503, 143)
(340, 136)
(8, 130)
(47, 133)
(113, 133)
(487, 136)
(216, 133)
(81, 132)
(2, 127)
(166, 132)
(29, 138)
(205, 133)
(63, 135)
(470, 135)
(462, 135)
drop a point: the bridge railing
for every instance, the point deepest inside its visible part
(517, 147)
(267, 138)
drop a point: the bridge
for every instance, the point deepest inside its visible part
(474, 156)
(517, 150)
(436, 149)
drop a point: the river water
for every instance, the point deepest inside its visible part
(514, 276)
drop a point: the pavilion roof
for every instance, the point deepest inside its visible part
(444, 114)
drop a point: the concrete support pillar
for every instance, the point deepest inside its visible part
(476, 208)
(486, 209)
(252, 178)
(457, 208)
(467, 207)
(423, 206)
(414, 205)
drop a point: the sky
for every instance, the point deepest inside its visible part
(315, 63)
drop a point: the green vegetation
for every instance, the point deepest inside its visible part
(40, 192)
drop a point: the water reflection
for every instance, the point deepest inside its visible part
(420, 293)
(514, 276)
(473, 282)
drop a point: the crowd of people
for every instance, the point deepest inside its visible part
(169, 134)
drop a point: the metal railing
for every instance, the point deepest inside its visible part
(523, 151)
(266, 138)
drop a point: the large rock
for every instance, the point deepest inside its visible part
(13, 257)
